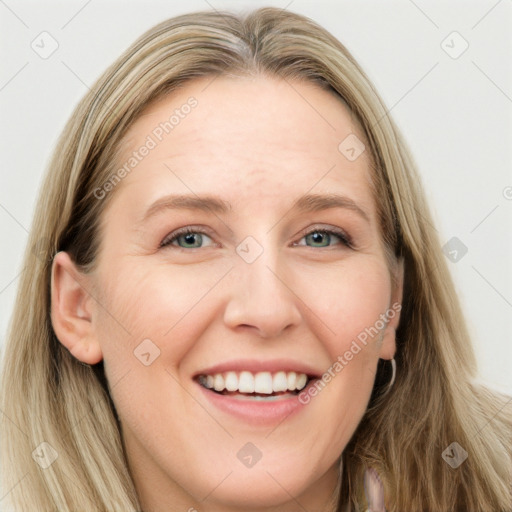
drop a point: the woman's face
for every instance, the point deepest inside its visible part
(262, 285)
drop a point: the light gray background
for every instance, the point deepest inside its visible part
(454, 113)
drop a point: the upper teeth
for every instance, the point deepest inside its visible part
(262, 382)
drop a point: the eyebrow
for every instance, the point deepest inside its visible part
(208, 203)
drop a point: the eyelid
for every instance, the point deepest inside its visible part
(345, 238)
(182, 231)
(341, 233)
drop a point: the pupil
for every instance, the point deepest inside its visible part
(317, 237)
(189, 238)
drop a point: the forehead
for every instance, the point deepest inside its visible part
(252, 140)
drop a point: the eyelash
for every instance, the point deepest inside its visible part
(344, 237)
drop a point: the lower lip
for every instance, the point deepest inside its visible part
(258, 412)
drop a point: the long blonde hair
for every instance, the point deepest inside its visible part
(49, 396)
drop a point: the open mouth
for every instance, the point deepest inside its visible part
(264, 386)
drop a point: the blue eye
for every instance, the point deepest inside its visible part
(193, 238)
(188, 235)
(320, 236)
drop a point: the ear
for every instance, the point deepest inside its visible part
(388, 346)
(71, 310)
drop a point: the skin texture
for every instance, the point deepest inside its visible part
(259, 143)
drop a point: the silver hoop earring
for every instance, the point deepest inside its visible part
(392, 381)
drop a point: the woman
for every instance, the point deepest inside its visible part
(254, 370)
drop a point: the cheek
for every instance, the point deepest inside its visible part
(147, 325)
(150, 302)
(151, 319)
(350, 304)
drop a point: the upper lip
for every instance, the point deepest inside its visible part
(257, 365)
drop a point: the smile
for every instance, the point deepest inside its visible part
(261, 385)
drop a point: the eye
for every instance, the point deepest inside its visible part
(324, 236)
(192, 238)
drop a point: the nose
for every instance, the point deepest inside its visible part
(262, 298)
